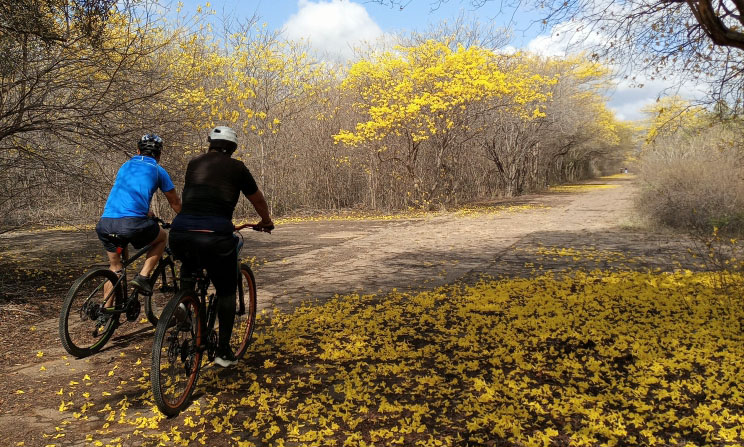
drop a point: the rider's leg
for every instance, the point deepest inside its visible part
(226, 315)
(114, 261)
(115, 266)
(223, 271)
(184, 249)
(154, 253)
(107, 230)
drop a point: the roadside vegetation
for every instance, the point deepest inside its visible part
(690, 168)
(430, 121)
(690, 176)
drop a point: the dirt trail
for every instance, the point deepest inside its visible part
(308, 261)
(367, 257)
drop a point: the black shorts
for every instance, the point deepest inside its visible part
(118, 232)
(216, 252)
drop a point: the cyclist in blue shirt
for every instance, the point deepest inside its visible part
(126, 214)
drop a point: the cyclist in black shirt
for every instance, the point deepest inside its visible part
(201, 235)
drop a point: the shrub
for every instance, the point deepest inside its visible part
(695, 183)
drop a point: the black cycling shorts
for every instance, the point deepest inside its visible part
(216, 252)
(118, 232)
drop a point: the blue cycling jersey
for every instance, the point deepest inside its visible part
(136, 182)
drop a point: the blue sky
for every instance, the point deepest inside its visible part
(416, 15)
(335, 26)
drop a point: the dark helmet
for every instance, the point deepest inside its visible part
(150, 144)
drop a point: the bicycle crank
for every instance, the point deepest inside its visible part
(212, 345)
(133, 309)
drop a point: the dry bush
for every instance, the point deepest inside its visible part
(695, 184)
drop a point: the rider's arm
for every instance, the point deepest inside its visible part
(174, 200)
(262, 208)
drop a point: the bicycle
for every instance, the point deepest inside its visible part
(187, 330)
(86, 323)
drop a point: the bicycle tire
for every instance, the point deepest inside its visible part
(164, 283)
(80, 314)
(245, 321)
(176, 353)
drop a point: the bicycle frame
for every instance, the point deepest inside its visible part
(126, 261)
(122, 281)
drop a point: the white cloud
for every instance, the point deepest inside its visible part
(628, 98)
(508, 49)
(332, 27)
(566, 38)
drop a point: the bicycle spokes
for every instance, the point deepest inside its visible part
(101, 325)
(93, 304)
(245, 312)
(84, 327)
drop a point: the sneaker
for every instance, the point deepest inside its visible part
(142, 283)
(225, 358)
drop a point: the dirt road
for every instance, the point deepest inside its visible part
(310, 261)
(316, 260)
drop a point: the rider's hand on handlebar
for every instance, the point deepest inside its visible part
(162, 223)
(264, 225)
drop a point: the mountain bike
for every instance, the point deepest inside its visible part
(186, 331)
(86, 323)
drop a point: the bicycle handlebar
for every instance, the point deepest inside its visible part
(162, 223)
(254, 227)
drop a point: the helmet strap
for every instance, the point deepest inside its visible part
(224, 146)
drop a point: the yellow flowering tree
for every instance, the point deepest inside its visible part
(284, 80)
(579, 134)
(429, 97)
(251, 81)
(671, 115)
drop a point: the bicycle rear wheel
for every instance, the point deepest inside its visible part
(83, 328)
(164, 286)
(245, 314)
(176, 353)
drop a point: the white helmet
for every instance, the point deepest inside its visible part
(223, 139)
(223, 133)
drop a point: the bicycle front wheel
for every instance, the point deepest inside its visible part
(164, 286)
(83, 326)
(245, 312)
(177, 353)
